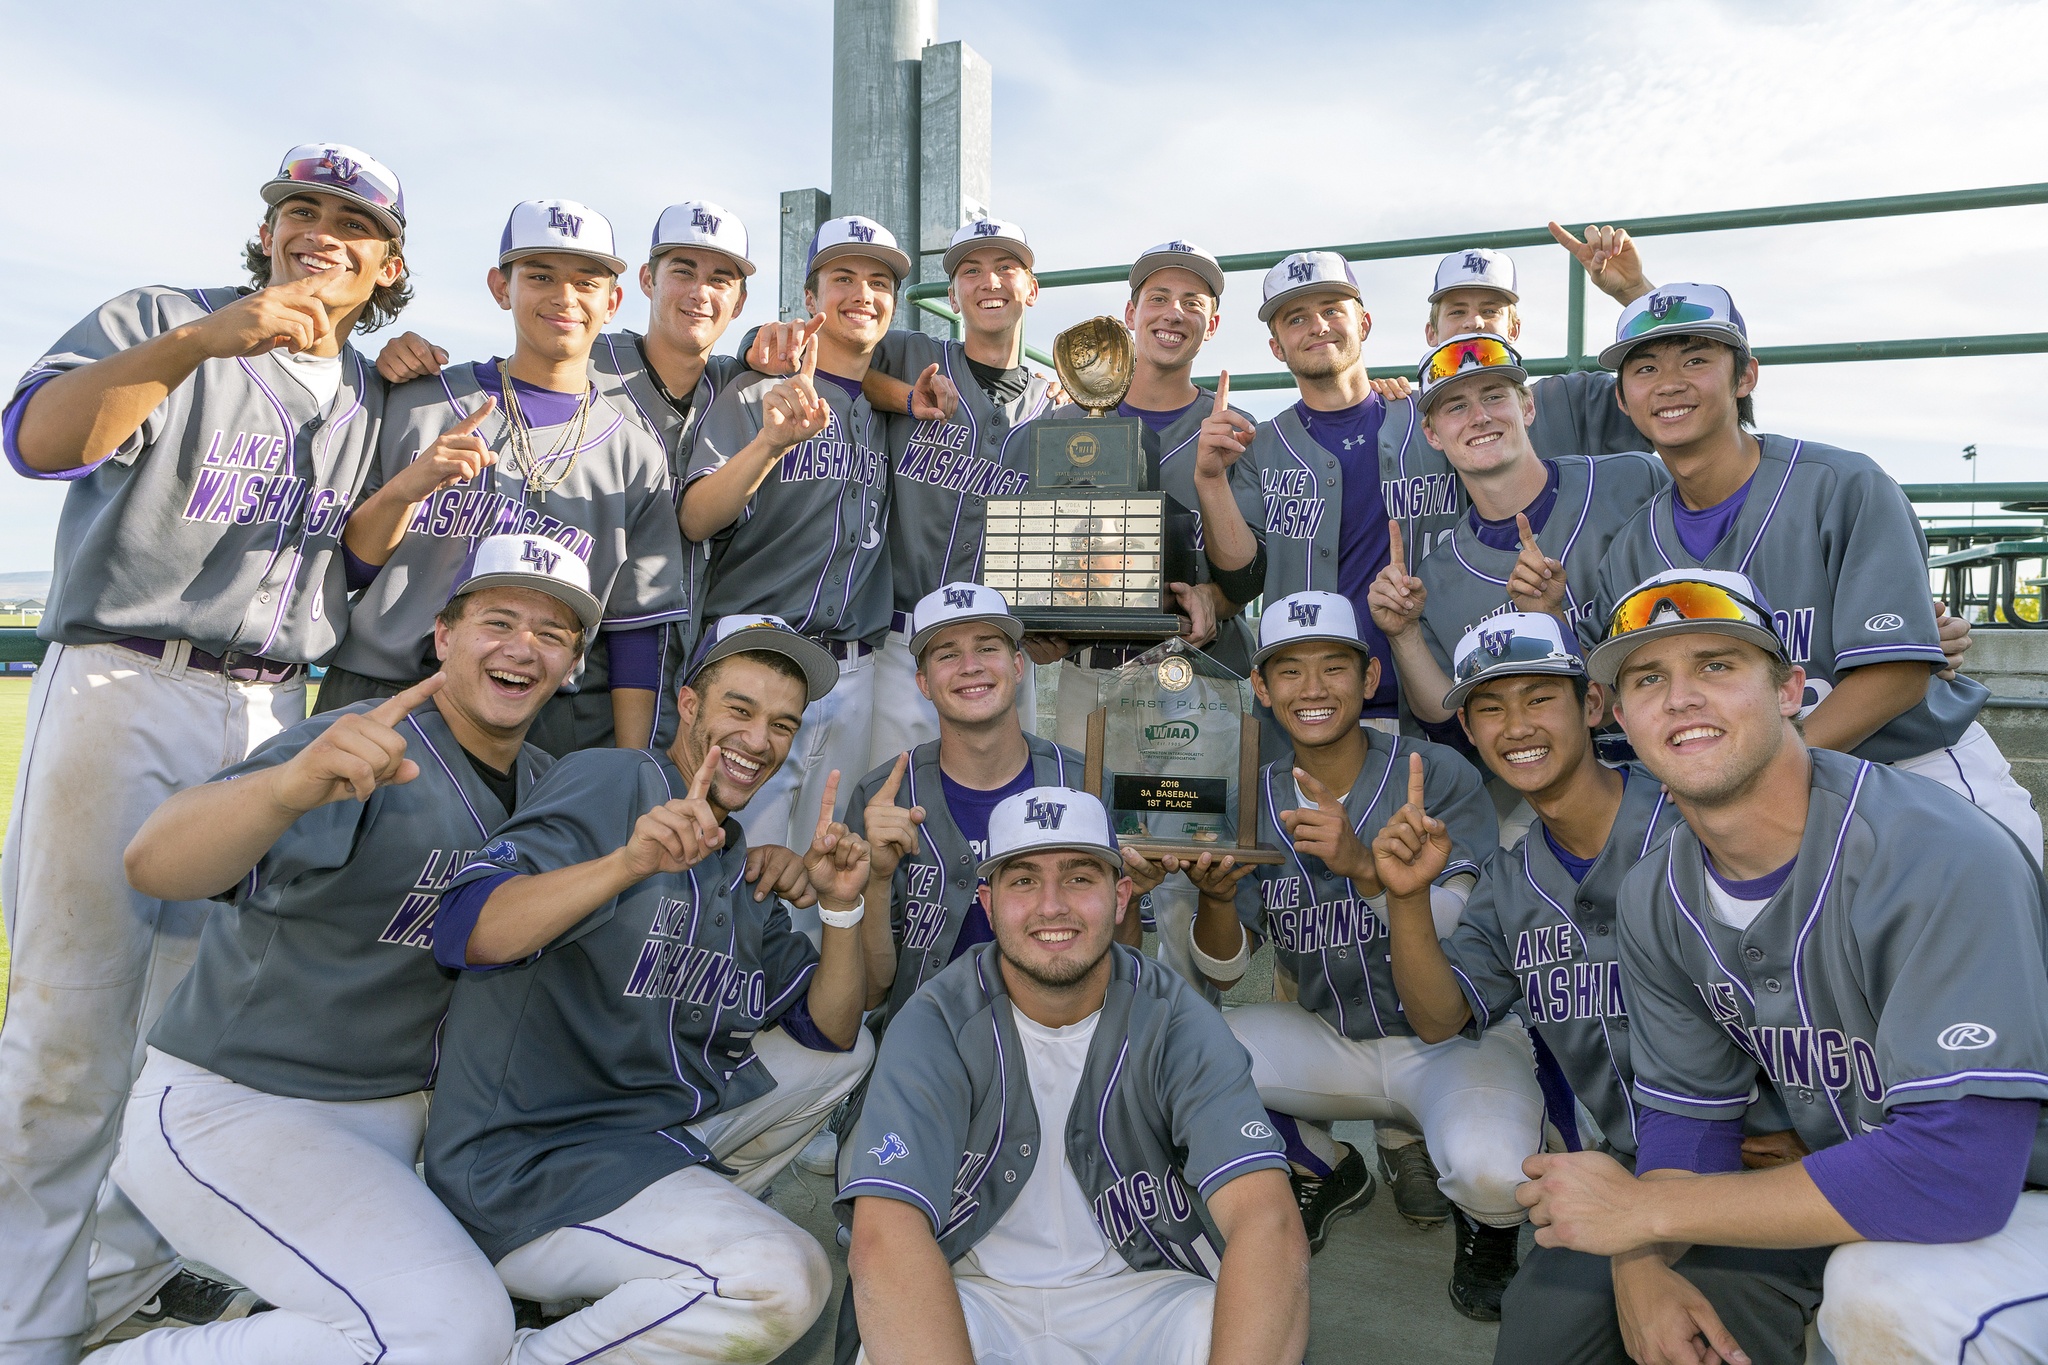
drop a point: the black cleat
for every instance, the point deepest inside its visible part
(1325, 1199)
(1486, 1262)
(1412, 1176)
(189, 1300)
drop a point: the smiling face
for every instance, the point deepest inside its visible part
(971, 673)
(1481, 423)
(505, 651)
(990, 291)
(692, 296)
(1472, 310)
(749, 707)
(1684, 390)
(324, 235)
(559, 303)
(856, 295)
(1054, 914)
(1707, 713)
(1170, 316)
(1318, 335)
(1317, 690)
(1531, 728)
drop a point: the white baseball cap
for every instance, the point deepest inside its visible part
(742, 634)
(1307, 616)
(699, 222)
(1683, 602)
(1305, 272)
(1677, 310)
(957, 603)
(339, 169)
(1049, 819)
(1179, 255)
(1476, 267)
(1512, 643)
(980, 232)
(541, 227)
(538, 563)
(854, 235)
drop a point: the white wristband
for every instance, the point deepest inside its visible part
(844, 919)
(1217, 969)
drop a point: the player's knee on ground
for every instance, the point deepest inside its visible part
(1871, 1307)
(1481, 1167)
(786, 1278)
(470, 1327)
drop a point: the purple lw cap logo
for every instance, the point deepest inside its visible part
(1304, 613)
(1044, 814)
(1496, 642)
(960, 599)
(1300, 270)
(860, 232)
(570, 224)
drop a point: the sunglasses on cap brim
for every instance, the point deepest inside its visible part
(1690, 600)
(320, 172)
(1454, 358)
(1520, 650)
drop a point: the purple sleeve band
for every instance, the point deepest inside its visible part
(1944, 1171)
(10, 432)
(796, 1021)
(1672, 1142)
(359, 573)
(635, 657)
(455, 920)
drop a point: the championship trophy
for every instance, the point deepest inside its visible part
(1086, 552)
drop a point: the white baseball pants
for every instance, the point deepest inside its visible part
(834, 734)
(904, 718)
(315, 1205)
(1137, 1317)
(1476, 1103)
(1976, 769)
(1961, 1303)
(694, 1267)
(111, 733)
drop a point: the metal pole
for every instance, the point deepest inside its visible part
(1575, 316)
(875, 110)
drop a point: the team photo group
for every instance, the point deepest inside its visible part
(679, 802)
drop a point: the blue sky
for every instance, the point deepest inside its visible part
(138, 134)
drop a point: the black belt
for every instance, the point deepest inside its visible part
(241, 667)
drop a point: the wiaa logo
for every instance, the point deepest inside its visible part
(1168, 735)
(1966, 1037)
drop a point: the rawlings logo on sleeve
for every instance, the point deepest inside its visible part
(1966, 1037)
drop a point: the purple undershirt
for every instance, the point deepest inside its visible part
(1575, 865)
(1757, 889)
(635, 658)
(1699, 532)
(1944, 1171)
(542, 407)
(357, 573)
(851, 387)
(1353, 435)
(970, 808)
(455, 920)
(10, 432)
(1154, 421)
(1505, 535)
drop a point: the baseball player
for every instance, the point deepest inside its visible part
(695, 279)
(790, 482)
(656, 1042)
(278, 1116)
(1538, 937)
(1345, 1049)
(526, 444)
(976, 1236)
(1475, 290)
(1868, 945)
(1477, 409)
(213, 441)
(1826, 535)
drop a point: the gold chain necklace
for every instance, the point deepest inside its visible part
(540, 475)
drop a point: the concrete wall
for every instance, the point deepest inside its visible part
(2014, 665)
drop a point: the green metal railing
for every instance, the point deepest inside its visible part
(1576, 356)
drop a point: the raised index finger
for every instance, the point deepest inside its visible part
(826, 805)
(395, 709)
(1222, 394)
(1397, 552)
(888, 792)
(1415, 780)
(476, 418)
(700, 785)
(1528, 532)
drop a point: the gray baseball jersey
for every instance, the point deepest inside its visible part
(1467, 579)
(568, 1080)
(615, 510)
(935, 886)
(315, 977)
(811, 546)
(1833, 545)
(942, 473)
(1332, 939)
(1165, 1114)
(219, 520)
(1534, 941)
(1904, 960)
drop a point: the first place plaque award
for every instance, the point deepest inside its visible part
(1088, 550)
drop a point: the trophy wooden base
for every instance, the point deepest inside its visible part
(1100, 623)
(1246, 848)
